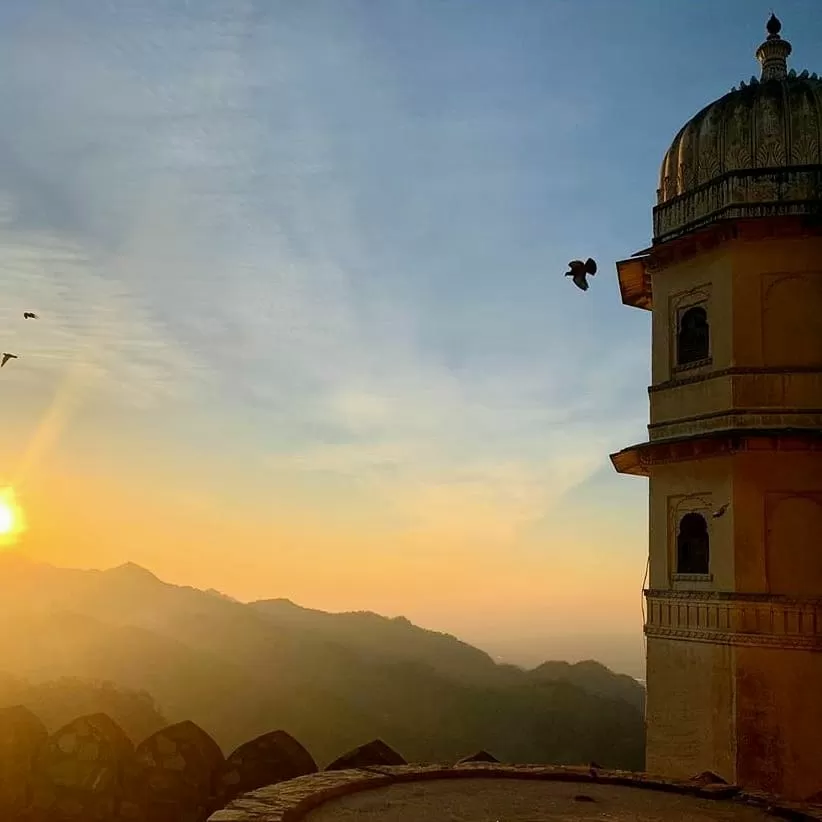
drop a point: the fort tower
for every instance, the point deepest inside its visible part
(733, 281)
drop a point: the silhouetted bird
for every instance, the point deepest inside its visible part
(579, 271)
(6, 358)
(593, 768)
(721, 510)
(29, 315)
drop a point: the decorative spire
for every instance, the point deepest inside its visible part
(773, 53)
(774, 25)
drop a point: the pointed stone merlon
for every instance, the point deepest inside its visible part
(78, 770)
(22, 735)
(268, 759)
(373, 754)
(172, 775)
(773, 53)
(479, 756)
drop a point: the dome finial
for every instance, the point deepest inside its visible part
(773, 26)
(773, 53)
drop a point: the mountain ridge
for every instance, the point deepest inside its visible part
(240, 669)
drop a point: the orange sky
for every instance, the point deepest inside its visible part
(304, 330)
(485, 564)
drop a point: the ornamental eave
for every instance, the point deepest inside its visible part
(638, 459)
(635, 282)
(706, 238)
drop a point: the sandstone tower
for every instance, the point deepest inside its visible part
(733, 281)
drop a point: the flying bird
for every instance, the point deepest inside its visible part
(579, 271)
(29, 315)
(721, 510)
(6, 358)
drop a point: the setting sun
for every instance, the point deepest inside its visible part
(11, 517)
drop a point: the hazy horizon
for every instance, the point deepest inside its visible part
(526, 650)
(148, 654)
(303, 330)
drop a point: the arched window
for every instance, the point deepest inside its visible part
(692, 545)
(693, 336)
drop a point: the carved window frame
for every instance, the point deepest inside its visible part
(678, 304)
(678, 506)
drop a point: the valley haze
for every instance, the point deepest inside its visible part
(332, 680)
(528, 647)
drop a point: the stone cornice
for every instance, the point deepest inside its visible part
(637, 459)
(724, 618)
(710, 237)
(756, 597)
(635, 273)
(733, 371)
(740, 418)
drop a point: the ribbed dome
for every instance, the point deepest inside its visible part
(754, 152)
(764, 125)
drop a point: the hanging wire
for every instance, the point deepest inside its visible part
(644, 637)
(642, 595)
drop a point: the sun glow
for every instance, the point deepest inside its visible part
(11, 517)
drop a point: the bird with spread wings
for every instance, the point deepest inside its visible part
(580, 270)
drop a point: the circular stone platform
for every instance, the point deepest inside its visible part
(481, 792)
(503, 800)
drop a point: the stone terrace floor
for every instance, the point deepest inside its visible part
(498, 793)
(505, 800)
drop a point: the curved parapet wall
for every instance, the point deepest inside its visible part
(89, 769)
(297, 799)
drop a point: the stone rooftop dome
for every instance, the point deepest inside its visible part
(755, 152)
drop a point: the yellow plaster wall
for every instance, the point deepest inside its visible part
(779, 720)
(764, 301)
(777, 502)
(782, 391)
(777, 302)
(676, 489)
(690, 713)
(799, 392)
(751, 714)
(692, 400)
(710, 276)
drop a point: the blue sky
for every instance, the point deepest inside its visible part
(315, 249)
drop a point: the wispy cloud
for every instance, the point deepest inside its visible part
(349, 252)
(88, 324)
(314, 251)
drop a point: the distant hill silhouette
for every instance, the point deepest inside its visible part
(332, 680)
(375, 636)
(594, 678)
